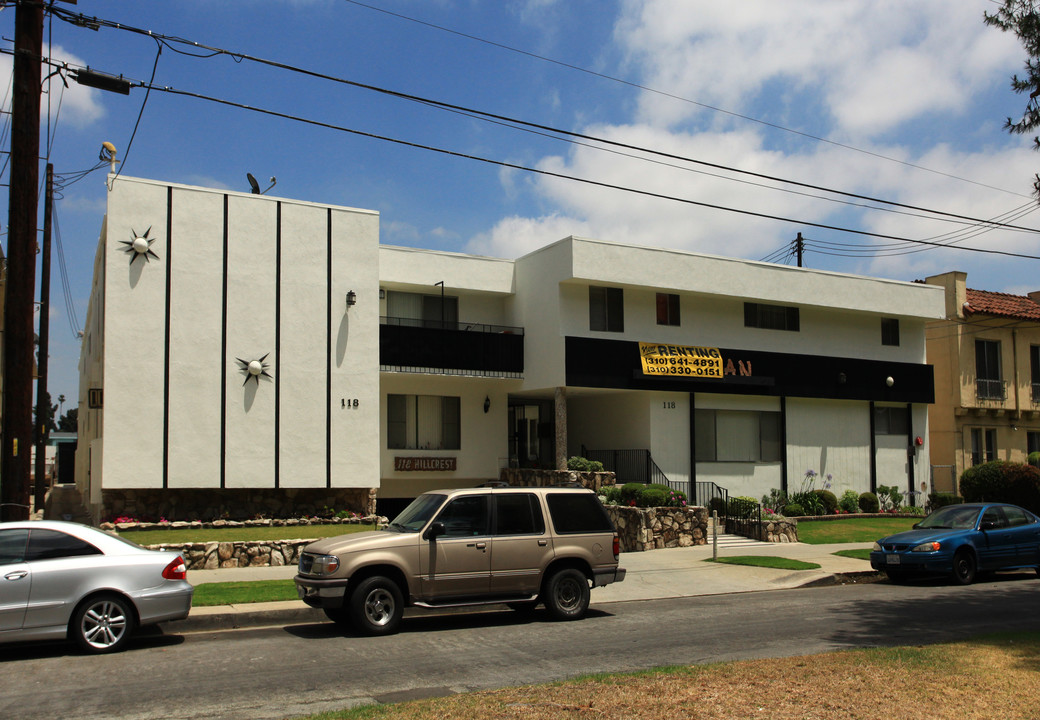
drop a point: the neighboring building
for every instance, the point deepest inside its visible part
(401, 370)
(986, 354)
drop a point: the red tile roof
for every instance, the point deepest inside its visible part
(1020, 307)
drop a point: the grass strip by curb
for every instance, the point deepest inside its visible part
(856, 554)
(767, 561)
(243, 592)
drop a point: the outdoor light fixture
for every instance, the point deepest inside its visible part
(890, 381)
(351, 299)
(487, 404)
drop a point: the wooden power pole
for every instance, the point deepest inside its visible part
(21, 263)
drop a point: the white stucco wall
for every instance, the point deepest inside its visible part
(286, 306)
(829, 436)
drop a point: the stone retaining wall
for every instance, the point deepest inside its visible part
(213, 555)
(641, 529)
(776, 530)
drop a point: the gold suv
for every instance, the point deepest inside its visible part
(473, 546)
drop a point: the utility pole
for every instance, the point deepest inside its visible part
(42, 399)
(799, 248)
(21, 263)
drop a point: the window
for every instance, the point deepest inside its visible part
(667, 309)
(983, 445)
(1032, 441)
(422, 422)
(465, 516)
(891, 421)
(12, 546)
(606, 309)
(577, 513)
(51, 544)
(518, 514)
(889, 331)
(737, 436)
(1034, 371)
(989, 384)
(770, 317)
(1016, 516)
(433, 311)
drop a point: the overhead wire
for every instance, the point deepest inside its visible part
(673, 96)
(564, 176)
(213, 51)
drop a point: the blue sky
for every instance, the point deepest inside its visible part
(899, 101)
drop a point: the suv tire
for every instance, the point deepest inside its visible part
(567, 594)
(376, 606)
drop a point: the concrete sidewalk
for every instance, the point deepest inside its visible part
(654, 575)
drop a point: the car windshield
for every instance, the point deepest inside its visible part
(414, 517)
(958, 517)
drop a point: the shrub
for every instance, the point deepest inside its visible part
(938, 500)
(984, 482)
(611, 494)
(1034, 459)
(1023, 486)
(630, 492)
(584, 464)
(652, 497)
(742, 506)
(828, 500)
(794, 510)
(640, 495)
(912, 510)
(717, 505)
(776, 500)
(889, 497)
(868, 502)
(849, 501)
(810, 502)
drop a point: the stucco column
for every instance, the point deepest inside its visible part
(561, 428)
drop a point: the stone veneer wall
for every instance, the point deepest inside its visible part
(643, 529)
(777, 530)
(233, 504)
(527, 477)
(213, 555)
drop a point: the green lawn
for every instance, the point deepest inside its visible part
(201, 535)
(858, 554)
(822, 532)
(768, 561)
(239, 593)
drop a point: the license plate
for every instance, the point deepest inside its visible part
(892, 559)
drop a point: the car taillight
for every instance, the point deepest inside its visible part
(617, 547)
(176, 570)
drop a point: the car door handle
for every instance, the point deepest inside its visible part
(543, 543)
(478, 546)
(16, 575)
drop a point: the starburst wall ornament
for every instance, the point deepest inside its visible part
(139, 246)
(254, 369)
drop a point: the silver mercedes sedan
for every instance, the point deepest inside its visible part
(63, 580)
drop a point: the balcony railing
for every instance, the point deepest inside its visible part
(988, 389)
(450, 347)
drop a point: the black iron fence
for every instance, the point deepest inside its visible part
(747, 523)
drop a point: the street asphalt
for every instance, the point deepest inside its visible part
(652, 575)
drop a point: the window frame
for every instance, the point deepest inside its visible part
(769, 316)
(669, 309)
(890, 332)
(768, 449)
(606, 309)
(413, 429)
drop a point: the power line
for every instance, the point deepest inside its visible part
(672, 96)
(239, 57)
(587, 181)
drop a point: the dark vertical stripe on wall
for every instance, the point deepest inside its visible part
(693, 446)
(328, 350)
(873, 449)
(166, 349)
(223, 355)
(911, 453)
(277, 344)
(783, 444)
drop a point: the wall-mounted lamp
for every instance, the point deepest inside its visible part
(351, 299)
(890, 381)
(487, 404)
(382, 294)
(842, 378)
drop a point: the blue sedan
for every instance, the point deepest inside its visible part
(960, 541)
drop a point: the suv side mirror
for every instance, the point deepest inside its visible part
(435, 531)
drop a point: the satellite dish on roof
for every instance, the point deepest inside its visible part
(255, 186)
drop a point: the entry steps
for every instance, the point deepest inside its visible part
(735, 541)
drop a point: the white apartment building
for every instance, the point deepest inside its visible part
(245, 351)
